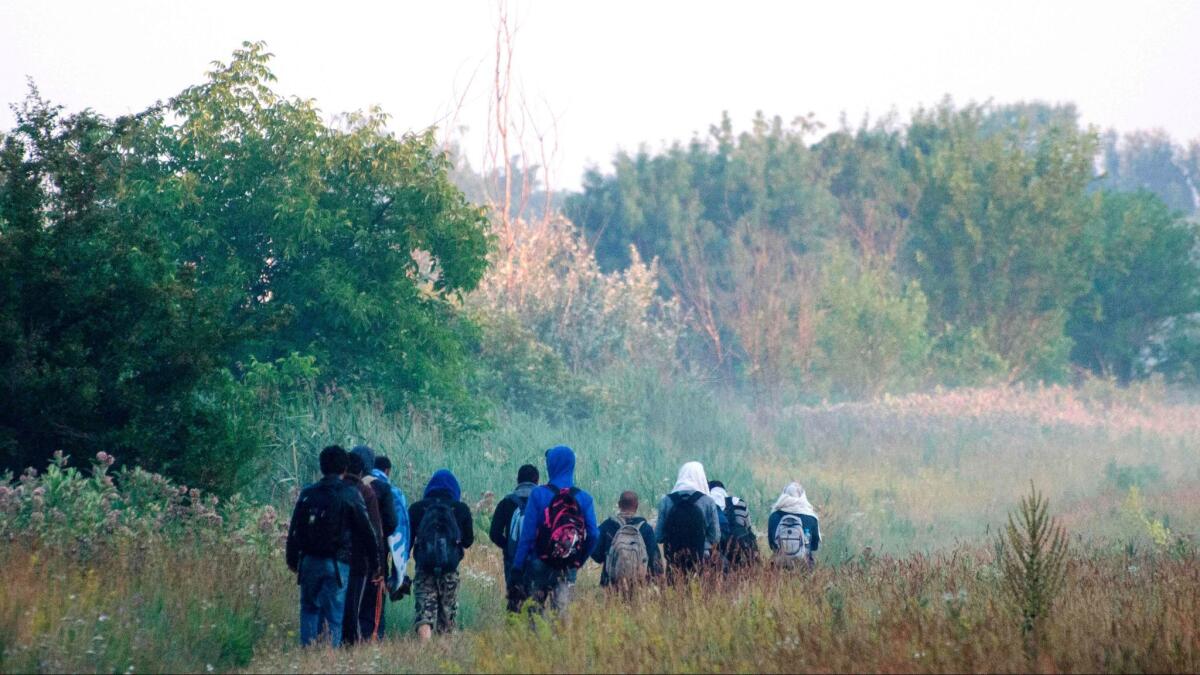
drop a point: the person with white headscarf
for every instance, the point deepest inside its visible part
(689, 527)
(793, 529)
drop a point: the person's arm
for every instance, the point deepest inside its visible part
(387, 507)
(466, 528)
(372, 502)
(663, 507)
(361, 529)
(589, 523)
(607, 530)
(713, 534)
(772, 525)
(501, 519)
(653, 554)
(414, 523)
(814, 541)
(529, 526)
(292, 548)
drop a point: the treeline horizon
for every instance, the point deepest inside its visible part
(169, 275)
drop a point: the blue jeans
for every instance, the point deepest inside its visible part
(322, 598)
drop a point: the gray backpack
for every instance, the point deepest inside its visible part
(627, 561)
(790, 538)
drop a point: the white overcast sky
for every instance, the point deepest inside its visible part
(616, 74)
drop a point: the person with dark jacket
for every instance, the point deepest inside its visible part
(366, 565)
(627, 509)
(370, 612)
(689, 525)
(330, 520)
(795, 539)
(442, 531)
(542, 582)
(504, 527)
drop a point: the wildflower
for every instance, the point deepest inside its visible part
(102, 457)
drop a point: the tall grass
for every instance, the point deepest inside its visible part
(103, 573)
(945, 613)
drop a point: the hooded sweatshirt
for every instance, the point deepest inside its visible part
(383, 492)
(560, 465)
(794, 501)
(691, 478)
(443, 486)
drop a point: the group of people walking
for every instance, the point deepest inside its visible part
(352, 534)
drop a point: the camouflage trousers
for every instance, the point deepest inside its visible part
(436, 597)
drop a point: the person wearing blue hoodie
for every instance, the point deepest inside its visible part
(544, 580)
(442, 531)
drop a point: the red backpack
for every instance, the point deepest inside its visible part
(562, 534)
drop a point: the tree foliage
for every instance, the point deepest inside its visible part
(1146, 279)
(999, 237)
(148, 262)
(105, 342)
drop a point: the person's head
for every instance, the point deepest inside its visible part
(528, 474)
(333, 461)
(691, 479)
(383, 464)
(715, 484)
(444, 482)
(628, 503)
(366, 454)
(354, 465)
(560, 466)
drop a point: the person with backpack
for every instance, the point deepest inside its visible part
(793, 530)
(689, 527)
(442, 531)
(557, 535)
(739, 543)
(370, 611)
(329, 521)
(396, 583)
(627, 548)
(367, 561)
(505, 532)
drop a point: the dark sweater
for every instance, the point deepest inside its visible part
(608, 530)
(462, 516)
(810, 524)
(356, 528)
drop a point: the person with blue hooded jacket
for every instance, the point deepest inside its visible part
(442, 531)
(545, 582)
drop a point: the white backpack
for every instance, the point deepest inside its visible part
(791, 540)
(627, 561)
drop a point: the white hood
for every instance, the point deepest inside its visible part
(793, 500)
(691, 479)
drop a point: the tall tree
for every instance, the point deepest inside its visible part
(348, 244)
(1149, 160)
(105, 341)
(1146, 278)
(1000, 234)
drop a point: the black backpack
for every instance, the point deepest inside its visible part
(437, 547)
(738, 542)
(318, 520)
(684, 530)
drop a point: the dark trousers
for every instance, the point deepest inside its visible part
(354, 601)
